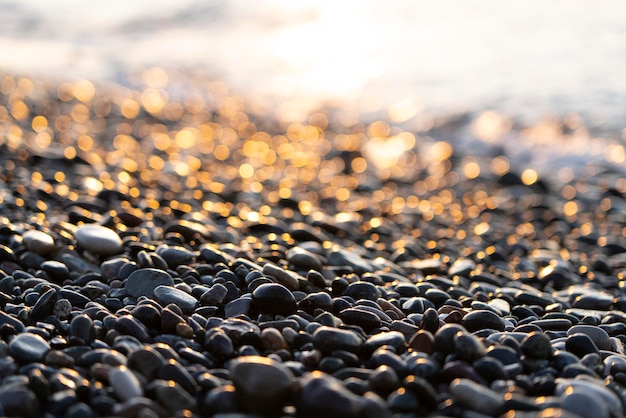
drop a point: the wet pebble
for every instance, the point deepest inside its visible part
(28, 347)
(142, 282)
(98, 239)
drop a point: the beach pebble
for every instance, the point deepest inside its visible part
(142, 282)
(599, 336)
(38, 242)
(28, 347)
(327, 339)
(262, 384)
(274, 298)
(321, 395)
(168, 294)
(124, 383)
(476, 397)
(98, 239)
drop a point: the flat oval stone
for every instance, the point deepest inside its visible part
(599, 336)
(482, 319)
(362, 290)
(263, 384)
(142, 282)
(38, 242)
(537, 345)
(28, 348)
(476, 397)
(98, 239)
(274, 298)
(594, 388)
(321, 395)
(328, 339)
(124, 383)
(168, 294)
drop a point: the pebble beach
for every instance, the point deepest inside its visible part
(183, 255)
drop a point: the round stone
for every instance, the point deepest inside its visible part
(38, 242)
(274, 298)
(98, 239)
(362, 290)
(263, 385)
(28, 347)
(142, 282)
(476, 397)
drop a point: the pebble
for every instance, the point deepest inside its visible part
(168, 294)
(142, 282)
(38, 242)
(327, 340)
(599, 336)
(124, 383)
(320, 395)
(263, 385)
(476, 397)
(28, 347)
(274, 298)
(98, 239)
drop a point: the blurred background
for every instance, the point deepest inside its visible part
(532, 61)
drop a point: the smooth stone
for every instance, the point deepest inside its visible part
(98, 239)
(321, 395)
(7, 319)
(19, 401)
(168, 294)
(362, 290)
(28, 348)
(599, 336)
(124, 383)
(304, 259)
(146, 361)
(240, 306)
(142, 282)
(476, 397)
(537, 345)
(38, 242)
(174, 256)
(263, 385)
(327, 340)
(468, 347)
(343, 257)
(394, 339)
(593, 300)
(44, 305)
(594, 388)
(275, 299)
(215, 296)
(174, 397)
(360, 317)
(585, 404)
(287, 278)
(56, 270)
(580, 345)
(482, 319)
(82, 327)
(500, 305)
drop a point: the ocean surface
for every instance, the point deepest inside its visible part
(533, 63)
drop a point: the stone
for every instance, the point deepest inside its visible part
(263, 385)
(142, 282)
(98, 239)
(321, 395)
(599, 336)
(482, 319)
(125, 384)
(28, 348)
(476, 397)
(327, 340)
(275, 299)
(168, 294)
(38, 242)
